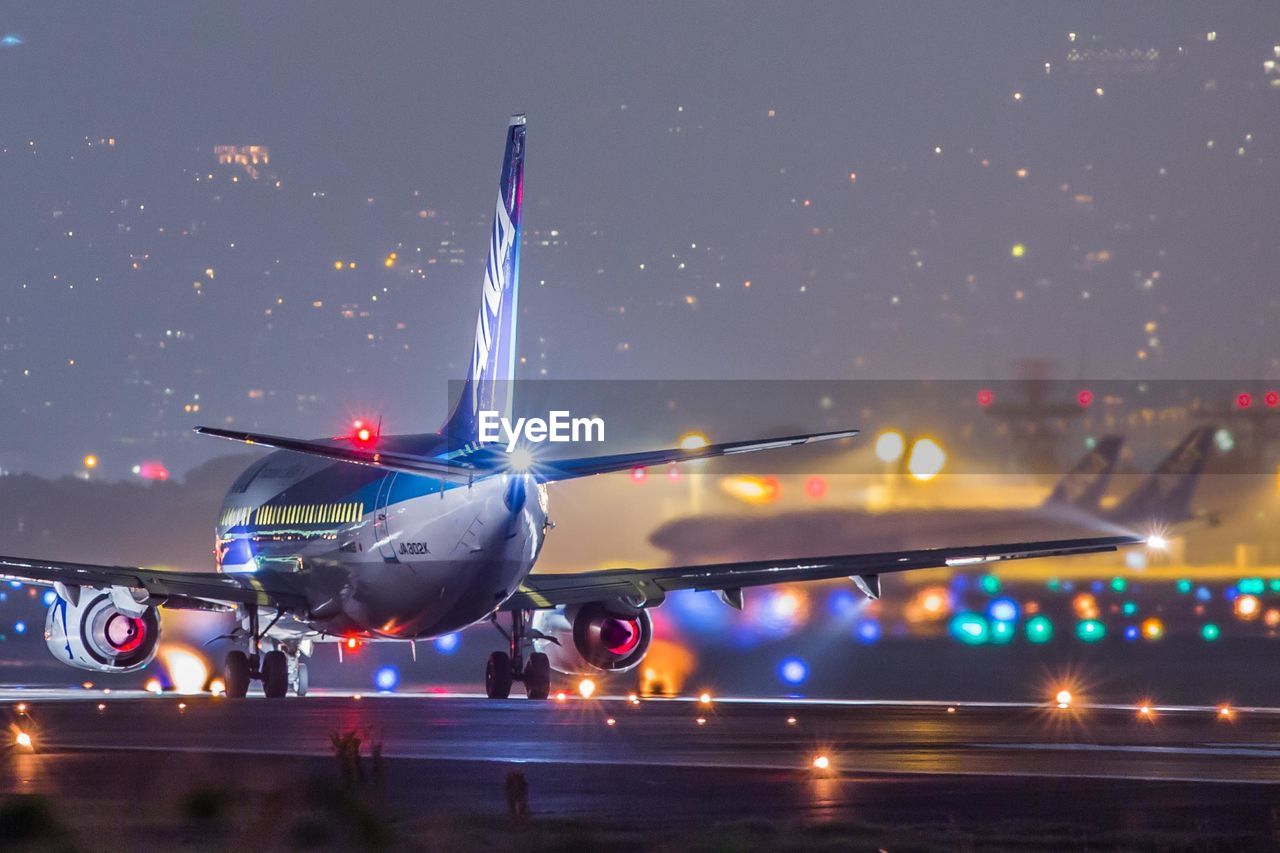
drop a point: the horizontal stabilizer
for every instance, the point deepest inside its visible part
(490, 459)
(568, 469)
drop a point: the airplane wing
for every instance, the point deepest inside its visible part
(176, 590)
(487, 461)
(541, 591)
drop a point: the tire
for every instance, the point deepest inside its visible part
(304, 681)
(537, 676)
(275, 675)
(235, 675)
(497, 676)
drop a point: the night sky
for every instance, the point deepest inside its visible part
(713, 190)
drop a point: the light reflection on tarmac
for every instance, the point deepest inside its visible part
(1187, 743)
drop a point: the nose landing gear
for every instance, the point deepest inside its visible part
(520, 664)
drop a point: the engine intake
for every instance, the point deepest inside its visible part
(94, 634)
(597, 636)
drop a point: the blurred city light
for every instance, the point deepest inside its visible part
(926, 460)
(889, 446)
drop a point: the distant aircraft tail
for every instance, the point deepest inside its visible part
(1165, 496)
(1084, 485)
(490, 376)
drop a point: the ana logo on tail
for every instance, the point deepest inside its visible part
(495, 285)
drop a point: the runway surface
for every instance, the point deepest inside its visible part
(674, 759)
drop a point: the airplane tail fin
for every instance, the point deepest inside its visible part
(1084, 485)
(1165, 496)
(491, 372)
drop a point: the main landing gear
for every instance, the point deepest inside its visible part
(278, 669)
(521, 664)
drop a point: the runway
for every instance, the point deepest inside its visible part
(1184, 743)
(674, 760)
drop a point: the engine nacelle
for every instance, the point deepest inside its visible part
(94, 634)
(593, 637)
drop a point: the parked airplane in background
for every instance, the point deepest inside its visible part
(1154, 507)
(399, 537)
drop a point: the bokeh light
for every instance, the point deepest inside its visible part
(386, 678)
(793, 671)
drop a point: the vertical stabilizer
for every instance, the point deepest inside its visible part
(1084, 485)
(489, 384)
(1165, 496)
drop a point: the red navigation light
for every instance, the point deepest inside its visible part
(1272, 399)
(362, 434)
(352, 644)
(1085, 398)
(638, 474)
(986, 397)
(1244, 400)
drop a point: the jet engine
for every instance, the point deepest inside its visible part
(88, 630)
(586, 638)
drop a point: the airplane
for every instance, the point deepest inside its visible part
(1157, 505)
(371, 537)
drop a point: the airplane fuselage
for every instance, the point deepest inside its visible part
(383, 554)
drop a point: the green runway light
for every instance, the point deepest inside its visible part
(970, 629)
(1209, 631)
(1054, 584)
(1130, 608)
(1001, 632)
(1090, 630)
(1039, 629)
(1252, 586)
(1118, 584)
(1184, 586)
(990, 584)
(1275, 584)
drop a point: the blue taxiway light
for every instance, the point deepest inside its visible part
(793, 671)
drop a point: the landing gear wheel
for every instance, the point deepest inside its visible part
(537, 676)
(497, 676)
(275, 675)
(235, 674)
(304, 681)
